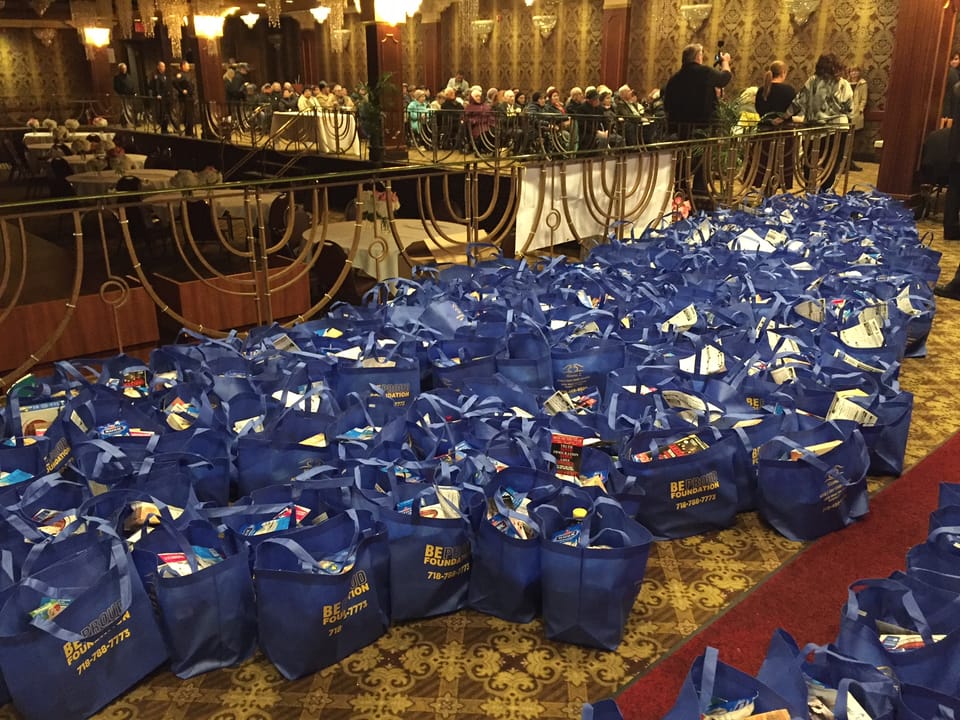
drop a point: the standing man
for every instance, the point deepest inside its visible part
(690, 100)
(690, 97)
(160, 91)
(459, 85)
(186, 96)
(125, 90)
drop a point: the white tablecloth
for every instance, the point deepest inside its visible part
(379, 256)
(79, 162)
(102, 182)
(656, 170)
(332, 132)
(41, 136)
(229, 203)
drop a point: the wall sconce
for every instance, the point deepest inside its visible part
(545, 24)
(40, 6)
(320, 13)
(97, 37)
(46, 36)
(250, 19)
(696, 15)
(208, 27)
(483, 28)
(528, 3)
(340, 40)
(395, 12)
(801, 10)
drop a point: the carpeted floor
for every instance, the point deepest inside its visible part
(469, 666)
(806, 595)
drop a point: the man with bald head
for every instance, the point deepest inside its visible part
(160, 91)
(125, 90)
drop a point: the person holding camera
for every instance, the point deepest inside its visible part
(690, 99)
(690, 96)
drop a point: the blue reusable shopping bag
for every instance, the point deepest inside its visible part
(804, 495)
(103, 642)
(208, 617)
(585, 362)
(323, 592)
(589, 587)
(602, 710)
(505, 570)
(709, 678)
(949, 494)
(937, 561)
(787, 670)
(859, 637)
(430, 557)
(919, 703)
(679, 494)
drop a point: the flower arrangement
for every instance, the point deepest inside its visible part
(33, 124)
(681, 207)
(99, 122)
(61, 134)
(376, 205)
(209, 176)
(81, 146)
(117, 158)
(71, 124)
(49, 124)
(185, 179)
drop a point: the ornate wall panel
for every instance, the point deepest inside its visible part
(33, 78)
(350, 66)
(517, 56)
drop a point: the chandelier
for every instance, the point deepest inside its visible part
(801, 10)
(90, 18)
(250, 19)
(172, 12)
(46, 35)
(124, 17)
(696, 15)
(469, 11)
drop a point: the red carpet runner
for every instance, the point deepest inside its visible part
(805, 596)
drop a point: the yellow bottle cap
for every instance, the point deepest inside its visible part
(579, 513)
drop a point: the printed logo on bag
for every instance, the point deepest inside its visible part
(573, 377)
(455, 557)
(107, 621)
(352, 604)
(696, 490)
(834, 492)
(58, 453)
(398, 392)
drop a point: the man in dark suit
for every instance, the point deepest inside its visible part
(186, 97)
(124, 88)
(160, 91)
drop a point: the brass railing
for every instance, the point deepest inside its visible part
(111, 247)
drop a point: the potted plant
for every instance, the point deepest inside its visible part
(370, 113)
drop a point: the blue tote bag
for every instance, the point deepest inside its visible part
(589, 587)
(69, 665)
(920, 703)
(859, 637)
(836, 678)
(207, 614)
(949, 494)
(804, 495)
(505, 571)
(430, 557)
(709, 679)
(323, 592)
(677, 494)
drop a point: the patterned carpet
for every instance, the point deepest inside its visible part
(471, 666)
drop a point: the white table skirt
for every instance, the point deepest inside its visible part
(333, 132)
(378, 256)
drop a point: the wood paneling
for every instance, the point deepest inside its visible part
(924, 30)
(206, 306)
(95, 328)
(616, 46)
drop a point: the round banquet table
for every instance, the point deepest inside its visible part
(101, 182)
(78, 163)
